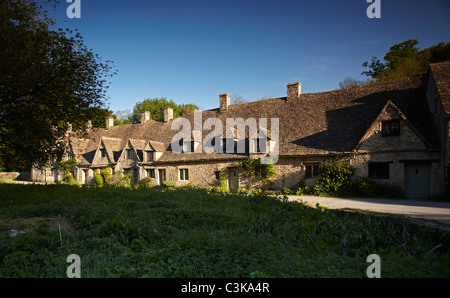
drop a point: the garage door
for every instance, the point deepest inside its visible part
(417, 179)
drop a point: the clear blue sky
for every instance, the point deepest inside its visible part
(191, 51)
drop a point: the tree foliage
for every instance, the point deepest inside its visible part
(406, 59)
(156, 108)
(47, 79)
(122, 117)
(237, 100)
(334, 175)
(352, 82)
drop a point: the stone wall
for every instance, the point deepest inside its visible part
(397, 167)
(290, 170)
(407, 140)
(16, 175)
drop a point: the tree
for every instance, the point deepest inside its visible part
(405, 59)
(437, 53)
(47, 79)
(237, 100)
(122, 117)
(156, 108)
(352, 82)
(97, 115)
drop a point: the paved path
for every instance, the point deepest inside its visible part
(422, 209)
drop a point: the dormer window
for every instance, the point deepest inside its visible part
(262, 145)
(229, 145)
(128, 154)
(103, 153)
(149, 155)
(390, 128)
(188, 146)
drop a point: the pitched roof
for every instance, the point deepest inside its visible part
(138, 146)
(402, 116)
(314, 124)
(156, 146)
(441, 75)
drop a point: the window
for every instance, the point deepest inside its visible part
(128, 154)
(260, 171)
(312, 171)
(151, 173)
(229, 145)
(262, 145)
(390, 128)
(149, 155)
(217, 173)
(184, 174)
(103, 152)
(379, 170)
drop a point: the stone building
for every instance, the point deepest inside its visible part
(395, 133)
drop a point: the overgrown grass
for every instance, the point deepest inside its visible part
(193, 233)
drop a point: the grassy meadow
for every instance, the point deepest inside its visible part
(193, 233)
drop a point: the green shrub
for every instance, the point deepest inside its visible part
(107, 176)
(121, 180)
(288, 191)
(147, 183)
(67, 166)
(255, 171)
(99, 180)
(222, 188)
(169, 185)
(301, 189)
(334, 176)
(365, 187)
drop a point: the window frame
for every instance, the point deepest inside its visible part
(149, 153)
(312, 171)
(387, 129)
(128, 154)
(183, 174)
(149, 171)
(378, 170)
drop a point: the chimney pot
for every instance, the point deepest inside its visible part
(168, 114)
(109, 122)
(224, 101)
(145, 116)
(293, 91)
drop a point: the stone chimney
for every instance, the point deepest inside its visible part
(168, 114)
(145, 116)
(109, 122)
(88, 125)
(68, 128)
(224, 101)
(293, 91)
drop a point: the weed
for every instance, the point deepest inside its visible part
(194, 233)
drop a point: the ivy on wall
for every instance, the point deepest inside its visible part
(255, 171)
